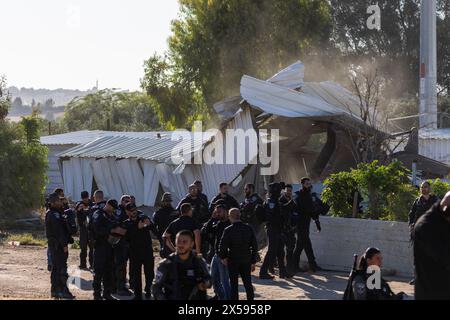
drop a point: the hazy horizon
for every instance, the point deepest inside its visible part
(62, 44)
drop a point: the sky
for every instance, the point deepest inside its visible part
(71, 44)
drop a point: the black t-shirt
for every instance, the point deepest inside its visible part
(163, 217)
(140, 239)
(180, 224)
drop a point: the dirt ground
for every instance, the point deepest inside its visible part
(24, 276)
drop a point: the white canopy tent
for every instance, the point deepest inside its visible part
(141, 165)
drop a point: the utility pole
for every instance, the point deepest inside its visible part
(428, 65)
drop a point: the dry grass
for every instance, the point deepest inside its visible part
(25, 239)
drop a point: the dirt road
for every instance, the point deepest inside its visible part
(24, 275)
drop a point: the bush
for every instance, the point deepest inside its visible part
(439, 187)
(23, 165)
(386, 188)
(399, 203)
(340, 186)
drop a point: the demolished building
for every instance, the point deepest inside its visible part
(315, 122)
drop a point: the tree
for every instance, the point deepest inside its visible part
(215, 42)
(17, 103)
(109, 110)
(23, 162)
(369, 141)
(49, 103)
(394, 49)
(5, 99)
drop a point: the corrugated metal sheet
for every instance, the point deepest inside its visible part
(291, 77)
(435, 144)
(282, 101)
(313, 100)
(85, 136)
(145, 148)
(437, 134)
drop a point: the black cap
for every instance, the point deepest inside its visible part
(53, 197)
(130, 206)
(84, 195)
(113, 203)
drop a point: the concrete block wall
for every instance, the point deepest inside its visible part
(341, 238)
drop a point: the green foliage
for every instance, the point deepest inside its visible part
(109, 110)
(23, 164)
(215, 42)
(439, 187)
(399, 203)
(339, 193)
(178, 104)
(386, 188)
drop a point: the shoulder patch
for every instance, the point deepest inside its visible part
(360, 288)
(158, 275)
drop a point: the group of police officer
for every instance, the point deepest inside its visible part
(203, 243)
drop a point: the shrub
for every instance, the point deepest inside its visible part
(386, 188)
(439, 187)
(339, 192)
(23, 165)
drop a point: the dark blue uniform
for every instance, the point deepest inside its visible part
(274, 227)
(178, 280)
(230, 202)
(102, 224)
(161, 219)
(289, 229)
(83, 216)
(141, 254)
(200, 211)
(58, 238)
(121, 255)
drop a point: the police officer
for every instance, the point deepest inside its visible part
(183, 275)
(306, 210)
(252, 199)
(184, 222)
(162, 218)
(58, 240)
(431, 239)
(99, 201)
(207, 236)
(238, 250)
(219, 272)
(422, 204)
(106, 232)
(361, 291)
(274, 227)
(83, 211)
(290, 224)
(223, 194)
(121, 253)
(138, 235)
(202, 196)
(199, 206)
(60, 193)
